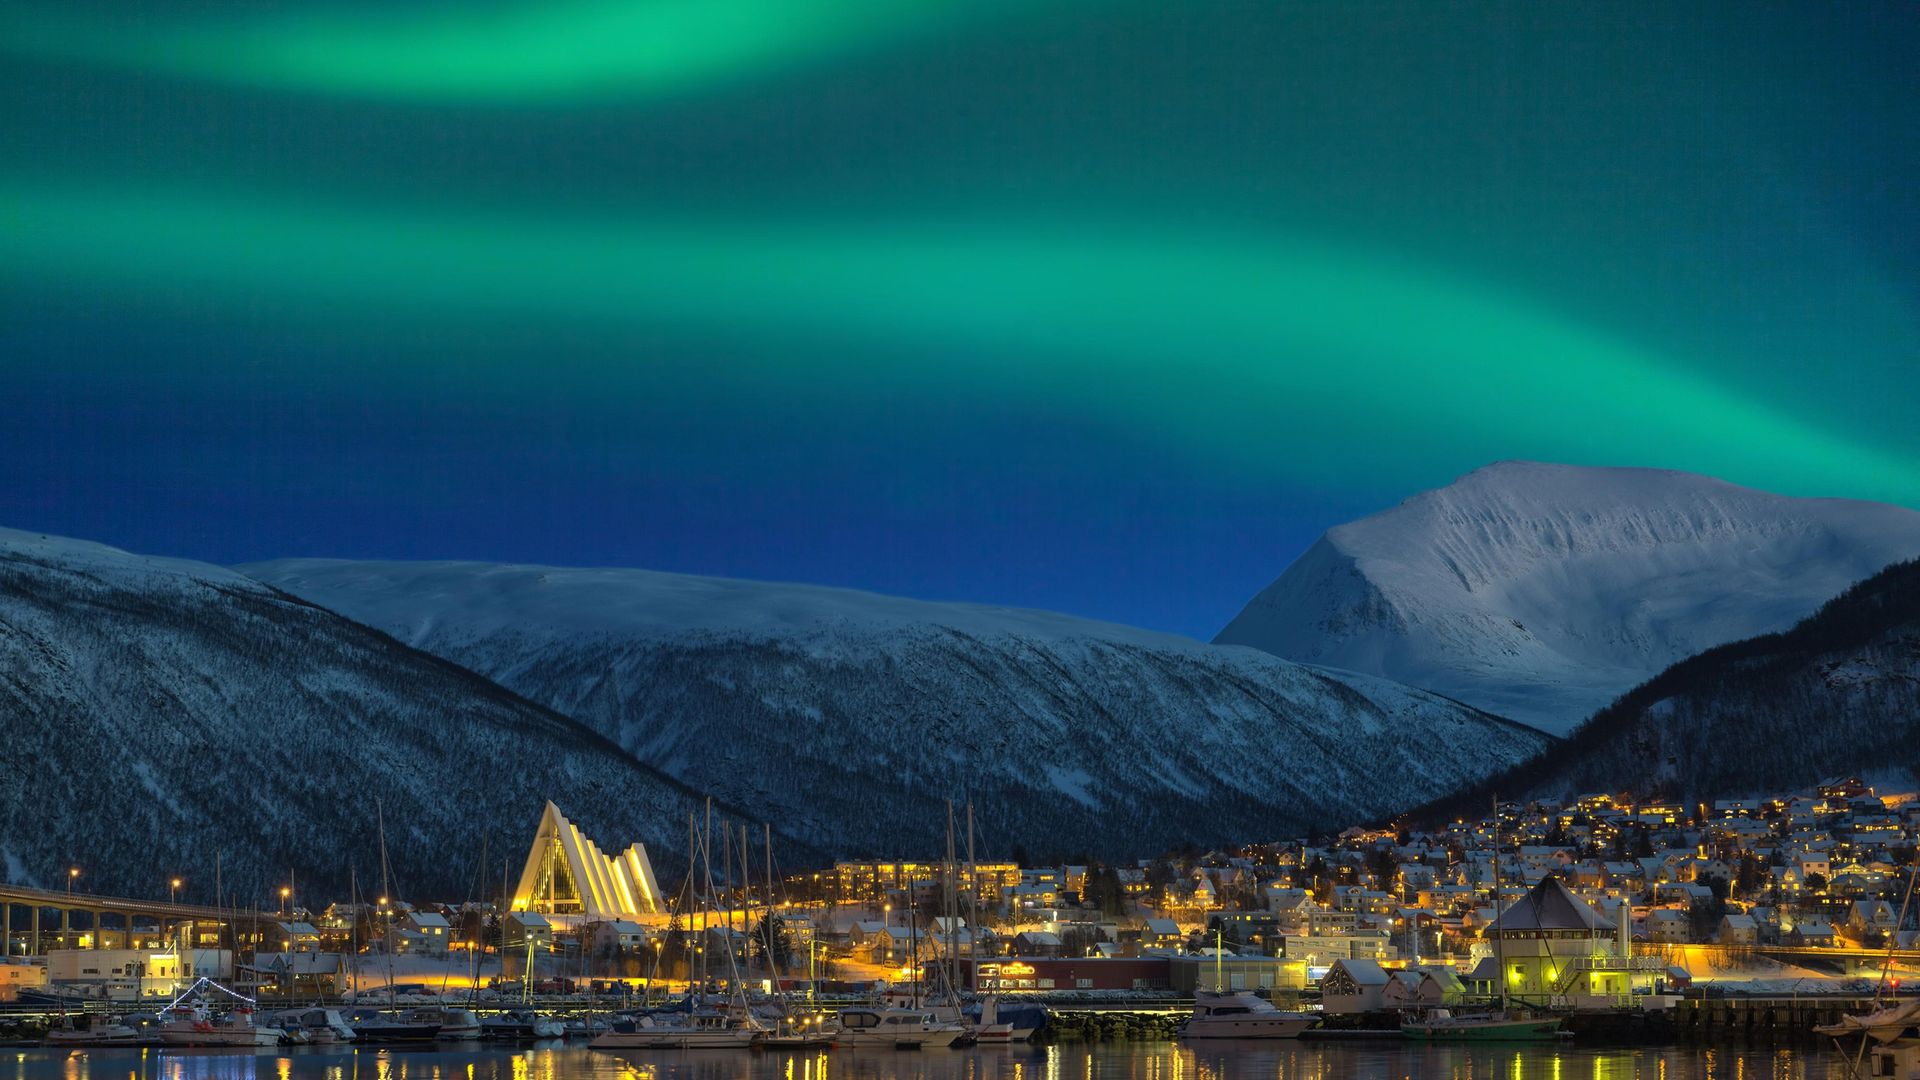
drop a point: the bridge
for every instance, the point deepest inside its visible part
(33, 935)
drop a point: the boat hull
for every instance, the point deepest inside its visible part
(128, 1037)
(255, 1037)
(664, 1038)
(1493, 1031)
(921, 1039)
(1250, 1027)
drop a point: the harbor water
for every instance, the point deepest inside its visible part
(1279, 1060)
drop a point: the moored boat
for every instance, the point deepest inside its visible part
(322, 1027)
(1239, 1014)
(705, 1029)
(1442, 1025)
(184, 1024)
(451, 1024)
(521, 1025)
(97, 1031)
(373, 1026)
(871, 1026)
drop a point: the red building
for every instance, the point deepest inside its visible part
(1041, 973)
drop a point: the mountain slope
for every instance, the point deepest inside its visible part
(1838, 694)
(159, 711)
(1541, 592)
(848, 717)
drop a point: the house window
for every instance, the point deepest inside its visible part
(1083, 984)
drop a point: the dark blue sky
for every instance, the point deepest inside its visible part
(1109, 309)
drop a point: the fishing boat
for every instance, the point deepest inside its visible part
(97, 1031)
(187, 1021)
(873, 1026)
(191, 1024)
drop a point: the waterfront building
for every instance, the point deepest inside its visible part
(1557, 950)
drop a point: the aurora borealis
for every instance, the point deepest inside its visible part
(1109, 311)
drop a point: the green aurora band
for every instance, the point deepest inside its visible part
(547, 53)
(1250, 349)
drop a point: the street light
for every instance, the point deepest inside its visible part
(72, 872)
(173, 890)
(285, 891)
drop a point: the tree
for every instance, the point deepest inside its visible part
(1078, 940)
(772, 928)
(1105, 892)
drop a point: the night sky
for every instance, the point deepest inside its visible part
(1103, 307)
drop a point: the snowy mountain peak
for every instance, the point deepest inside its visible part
(1541, 591)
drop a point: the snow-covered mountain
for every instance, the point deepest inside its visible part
(1542, 592)
(158, 712)
(848, 718)
(1836, 695)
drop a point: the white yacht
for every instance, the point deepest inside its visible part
(322, 1027)
(1242, 1015)
(871, 1026)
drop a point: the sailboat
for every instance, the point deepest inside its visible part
(701, 1025)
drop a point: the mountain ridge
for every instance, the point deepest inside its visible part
(234, 706)
(1068, 732)
(1540, 592)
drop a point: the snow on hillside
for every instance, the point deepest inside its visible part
(1841, 689)
(1541, 592)
(159, 711)
(850, 717)
(415, 600)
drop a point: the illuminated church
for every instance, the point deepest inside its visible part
(567, 875)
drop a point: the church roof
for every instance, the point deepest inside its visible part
(1549, 906)
(564, 867)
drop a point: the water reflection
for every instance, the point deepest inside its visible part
(1078, 1061)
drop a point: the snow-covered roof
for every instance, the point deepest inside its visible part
(1549, 906)
(1363, 972)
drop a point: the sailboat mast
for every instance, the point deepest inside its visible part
(386, 920)
(773, 965)
(1499, 953)
(746, 900)
(973, 900)
(913, 942)
(951, 906)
